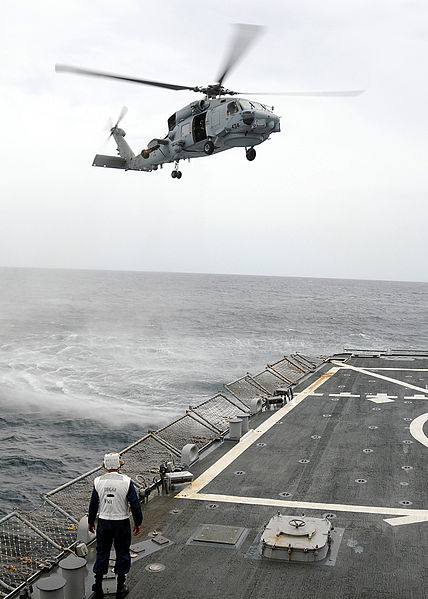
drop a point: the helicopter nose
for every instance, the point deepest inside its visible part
(273, 124)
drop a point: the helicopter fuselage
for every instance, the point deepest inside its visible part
(203, 128)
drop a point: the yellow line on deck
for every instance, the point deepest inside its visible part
(251, 437)
(193, 491)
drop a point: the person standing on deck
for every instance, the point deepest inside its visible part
(110, 496)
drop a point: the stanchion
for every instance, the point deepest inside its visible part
(73, 570)
(51, 587)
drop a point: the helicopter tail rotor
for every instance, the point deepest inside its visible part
(114, 128)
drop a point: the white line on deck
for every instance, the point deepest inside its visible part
(416, 396)
(380, 376)
(343, 394)
(403, 369)
(417, 429)
(408, 516)
(381, 398)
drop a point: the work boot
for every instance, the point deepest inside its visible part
(98, 591)
(122, 588)
(97, 587)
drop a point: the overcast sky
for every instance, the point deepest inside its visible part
(340, 192)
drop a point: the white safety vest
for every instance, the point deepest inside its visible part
(112, 489)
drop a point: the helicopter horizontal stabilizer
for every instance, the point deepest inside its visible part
(109, 161)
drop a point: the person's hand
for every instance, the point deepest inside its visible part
(137, 530)
(91, 528)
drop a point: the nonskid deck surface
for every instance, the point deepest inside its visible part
(351, 444)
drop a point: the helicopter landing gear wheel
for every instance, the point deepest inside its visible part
(250, 154)
(208, 147)
(176, 174)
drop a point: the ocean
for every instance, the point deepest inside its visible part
(90, 360)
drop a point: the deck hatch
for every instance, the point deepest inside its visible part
(292, 539)
(219, 535)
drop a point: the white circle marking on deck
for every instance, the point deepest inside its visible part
(417, 429)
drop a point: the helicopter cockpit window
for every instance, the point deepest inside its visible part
(171, 122)
(232, 107)
(246, 105)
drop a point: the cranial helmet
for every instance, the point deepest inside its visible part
(112, 461)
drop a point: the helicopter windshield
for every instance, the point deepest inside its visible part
(247, 105)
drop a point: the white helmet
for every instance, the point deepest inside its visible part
(112, 461)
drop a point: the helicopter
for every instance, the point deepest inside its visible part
(217, 122)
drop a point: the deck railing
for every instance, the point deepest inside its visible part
(32, 542)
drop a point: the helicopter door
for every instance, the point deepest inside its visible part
(198, 128)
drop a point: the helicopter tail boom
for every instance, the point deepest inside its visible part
(126, 155)
(122, 147)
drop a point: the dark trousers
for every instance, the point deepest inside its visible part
(117, 532)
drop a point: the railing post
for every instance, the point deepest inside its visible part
(51, 587)
(73, 571)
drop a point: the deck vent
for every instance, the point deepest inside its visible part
(294, 539)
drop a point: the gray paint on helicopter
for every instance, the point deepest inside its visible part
(226, 123)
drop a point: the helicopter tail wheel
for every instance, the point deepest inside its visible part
(179, 174)
(208, 148)
(250, 154)
(174, 174)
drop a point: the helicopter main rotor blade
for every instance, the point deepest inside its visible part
(244, 36)
(329, 94)
(64, 68)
